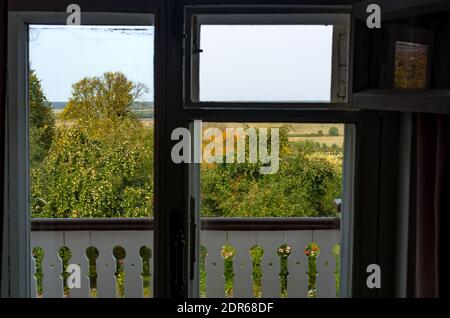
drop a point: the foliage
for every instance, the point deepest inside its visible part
(228, 252)
(311, 146)
(108, 96)
(337, 273)
(38, 256)
(334, 131)
(283, 253)
(100, 166)
(305, 185)
(96, 173)
(312, 251)
(42, 121)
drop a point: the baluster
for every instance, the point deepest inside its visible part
(298, 263)
(270, 241)
(106, 264)
(242, 241)
(50, 242)
(326, 262)
(78, 242)
(36, 260)
(214, 263)
(132, 242)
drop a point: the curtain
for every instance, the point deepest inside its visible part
(431, 204)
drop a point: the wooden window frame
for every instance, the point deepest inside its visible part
(16, 247)
(373, 169)
(281, 15)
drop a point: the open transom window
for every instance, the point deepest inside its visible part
(266, 58)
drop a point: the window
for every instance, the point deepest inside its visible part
(298, 58)
(76, 217)
(251, 223)
(271, 228)
(83, 117)
(91, 154)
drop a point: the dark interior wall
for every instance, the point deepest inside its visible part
(440, 69)
(379, 45)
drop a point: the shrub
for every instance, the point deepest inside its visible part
(305, 185)
(103, 172)
(42, 122)
(334, 131)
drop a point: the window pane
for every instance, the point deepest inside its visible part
(277, 233)
(267, 63)
(411, 63)
(91, 158)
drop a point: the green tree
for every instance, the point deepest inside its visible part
(305, 185)
(97, 166)
(42, 121)
(108, 96)
(334, 131)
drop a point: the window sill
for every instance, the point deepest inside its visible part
(422, 101)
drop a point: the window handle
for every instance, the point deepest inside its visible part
(193, 232)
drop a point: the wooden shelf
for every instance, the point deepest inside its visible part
(421, 101)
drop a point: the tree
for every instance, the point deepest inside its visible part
(305, 185)
(96, 175)
(99, 165)
(107, 96)
(334, 131)
(42, 121)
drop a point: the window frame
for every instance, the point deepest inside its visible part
(278, 14)
(295, 112)
(347, 215)
(171, 250)
(16, 245)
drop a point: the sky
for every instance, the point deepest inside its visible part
(265, 63)
(238, 63)
(63, 55)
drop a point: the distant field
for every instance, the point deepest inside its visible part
(328, 140)
(294, 130)
(147, 121)
(314, 128)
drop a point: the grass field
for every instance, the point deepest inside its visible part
(297, 132)
(328, 140)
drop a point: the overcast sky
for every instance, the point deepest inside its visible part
(61, 56)
(238, 63)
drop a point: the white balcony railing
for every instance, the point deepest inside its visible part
(50, 235)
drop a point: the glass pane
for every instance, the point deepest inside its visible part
(411, 63)
(91, 160)
(271, 232)
(273, 63)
